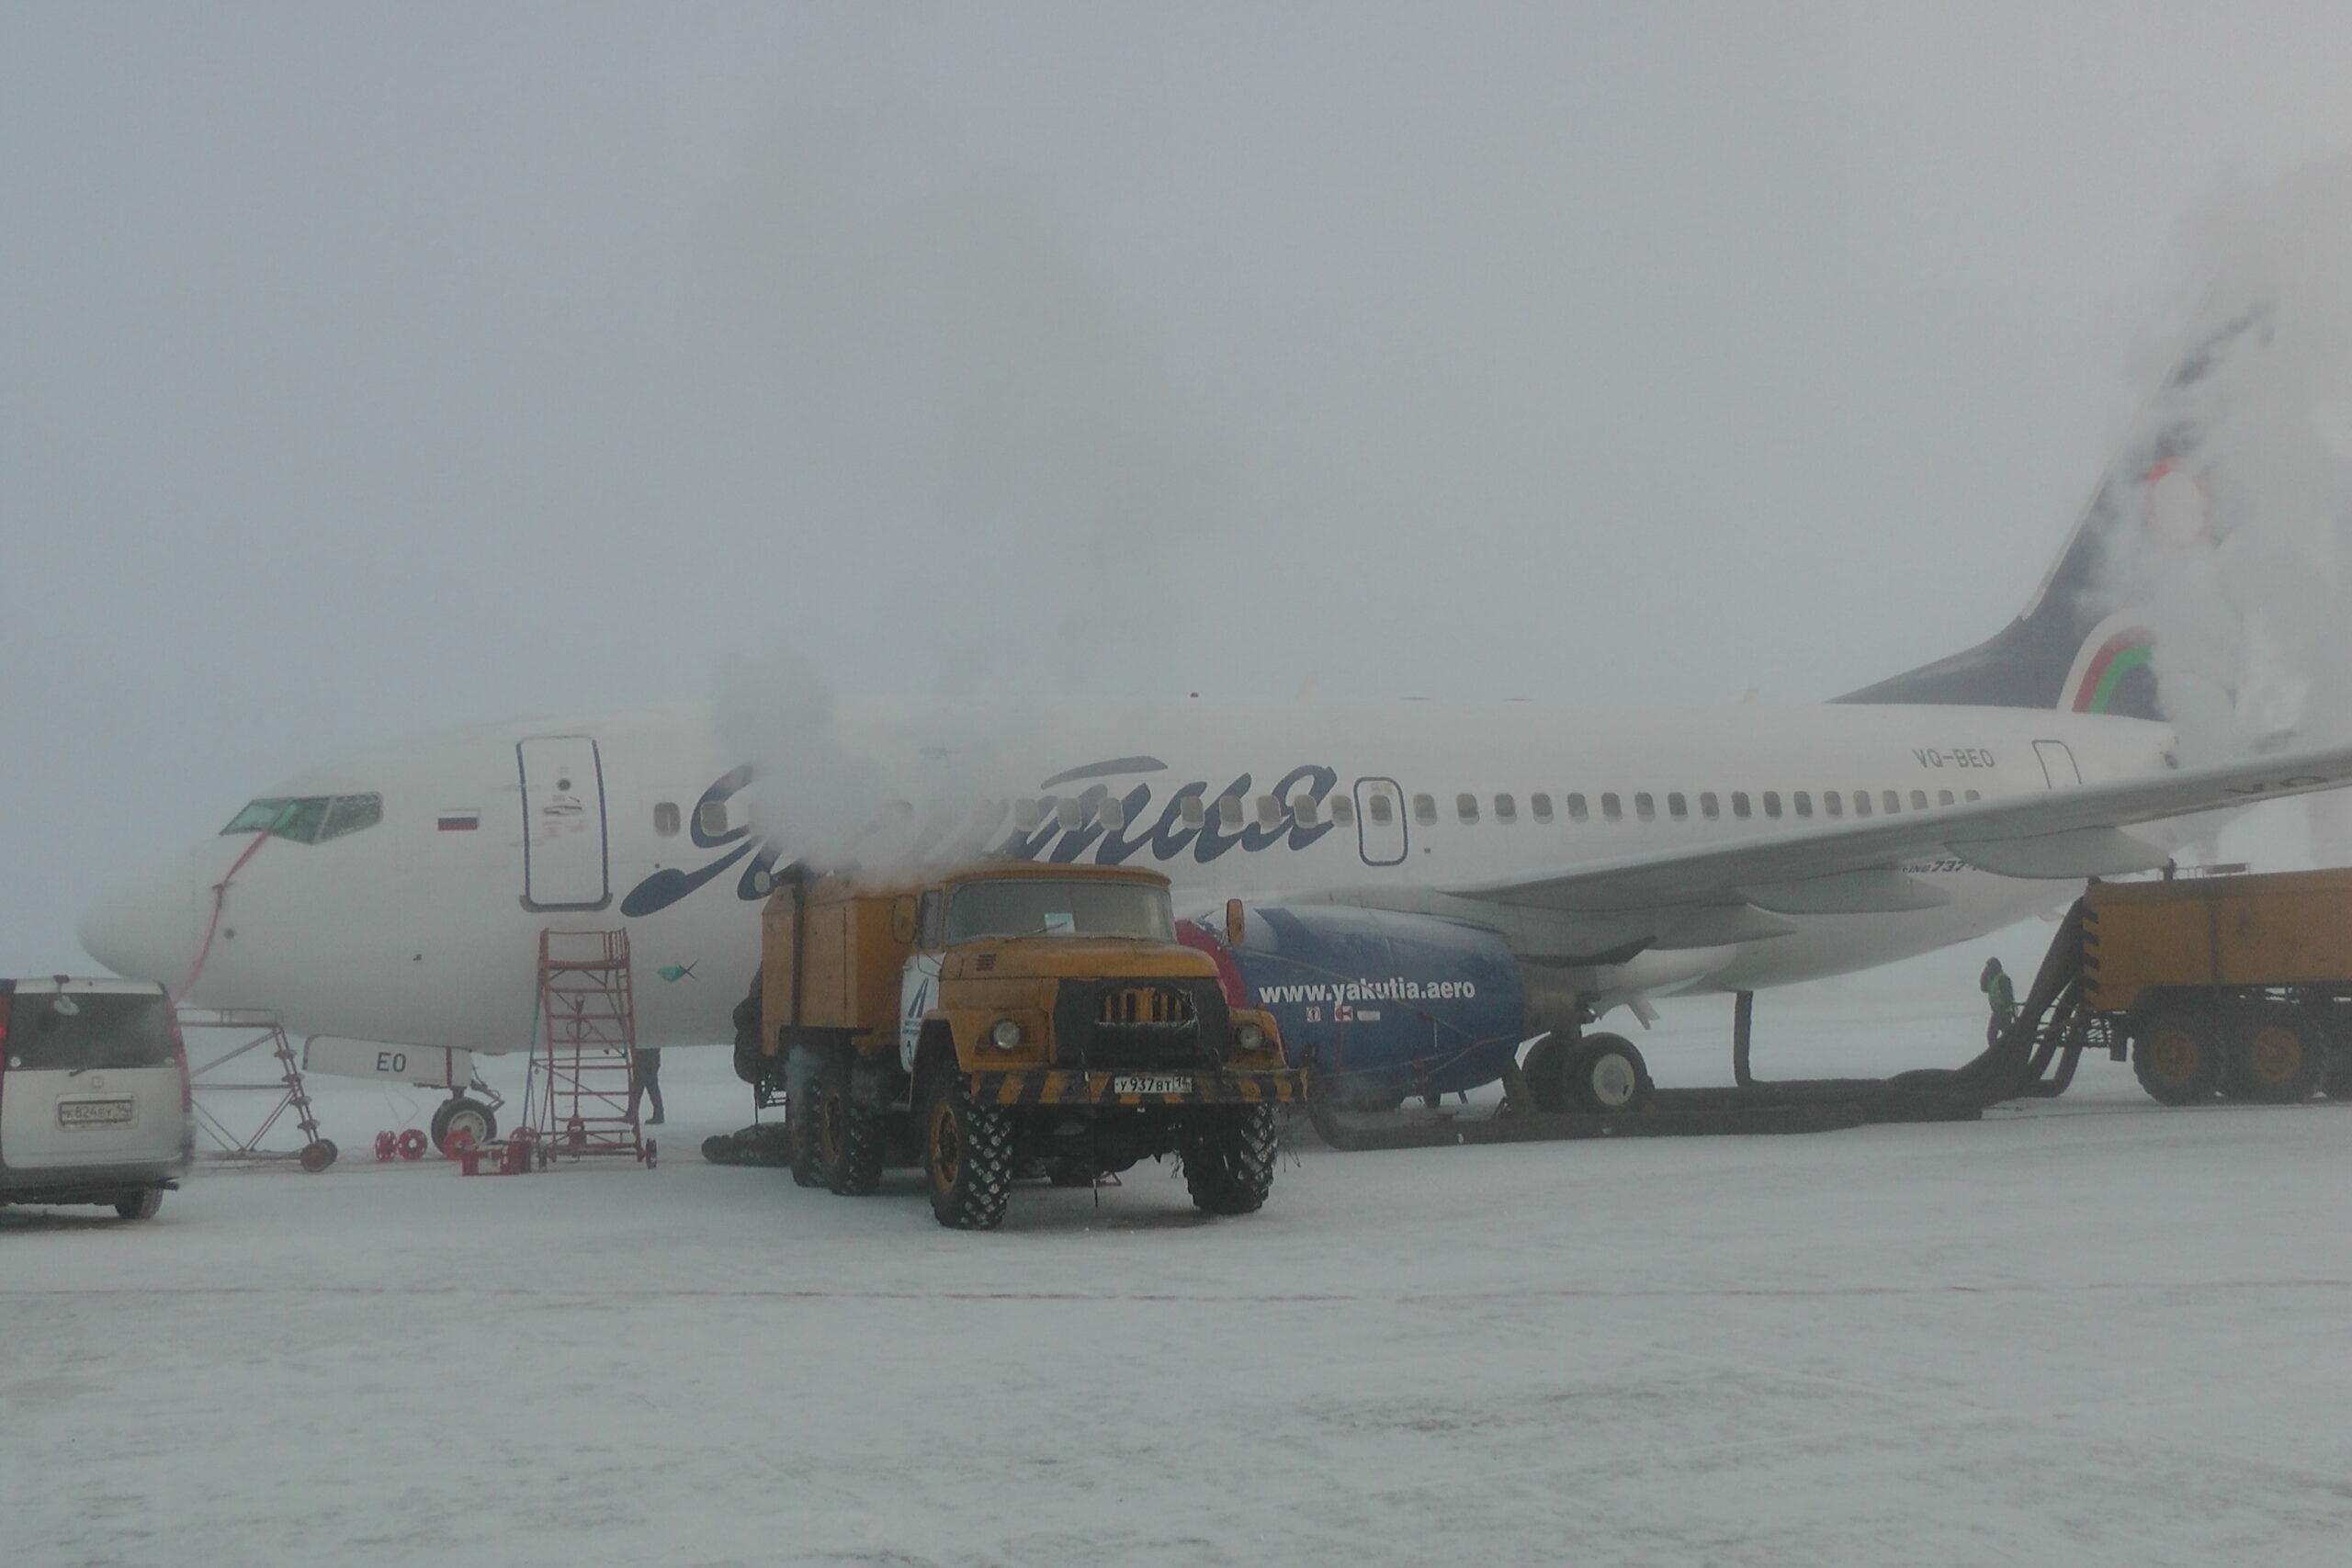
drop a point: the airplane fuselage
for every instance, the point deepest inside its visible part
(422, 924)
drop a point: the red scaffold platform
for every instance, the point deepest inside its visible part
(586, 1061)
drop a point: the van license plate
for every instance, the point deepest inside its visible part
(1152, 1083)
(92, 1112)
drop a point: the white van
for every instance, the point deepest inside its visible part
(95, 1103)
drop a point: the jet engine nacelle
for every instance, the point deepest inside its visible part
(1387, 1004)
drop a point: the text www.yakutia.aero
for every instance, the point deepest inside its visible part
(1394, 990)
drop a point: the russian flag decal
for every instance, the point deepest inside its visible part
(459, 821)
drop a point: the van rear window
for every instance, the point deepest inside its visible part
(73, 1031)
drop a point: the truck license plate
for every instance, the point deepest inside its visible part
(1152, 1083)
(92, 1112)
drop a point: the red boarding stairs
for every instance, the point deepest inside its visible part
(587, 1057)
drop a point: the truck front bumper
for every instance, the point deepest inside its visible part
(1272, 1085)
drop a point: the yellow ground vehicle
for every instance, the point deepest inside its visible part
(1006, 1016)
(2237, 986)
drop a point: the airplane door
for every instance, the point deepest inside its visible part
(564, 863)
(1380, 821)
(2058, 769)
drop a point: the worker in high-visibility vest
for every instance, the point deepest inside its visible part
(2001, 996)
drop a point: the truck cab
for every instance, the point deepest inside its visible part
(1009, 1016)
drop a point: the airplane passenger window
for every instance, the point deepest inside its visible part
(1771, 803)
(1611, 808)
(1229, 812)
(1892, 799)
(1943, 797)
(1919, 800)
(350, 814)
(1467, 807)
(711, 818)
(1192, 813)
(1832, 804)
(1425, 810)
(1577, 812)
(1269, 811)
(1069, 814)
(1112, 812)
(1973, 796)
(1302, 810)
(1709, 807)
(666, 819)
(1028, 814)
(1677, 807)
(1540, 807)
(1862, 803)
(1343, 810)
(1381, 810)
(1739, 803)
(1506, 808)
(1645, 806)
(1803, 801)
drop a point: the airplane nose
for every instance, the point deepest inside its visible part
(147, 930)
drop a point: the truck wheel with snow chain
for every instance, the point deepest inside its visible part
(968, 1156)
(1229, 1159)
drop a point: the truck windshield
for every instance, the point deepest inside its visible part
(1031, 907)
(82, 1031)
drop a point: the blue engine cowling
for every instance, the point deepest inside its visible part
(1387, 1004)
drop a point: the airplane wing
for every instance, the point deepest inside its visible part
(1723, 893)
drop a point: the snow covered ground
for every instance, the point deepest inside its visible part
(2089, 1331)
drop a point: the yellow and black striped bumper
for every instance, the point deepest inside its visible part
(1271, 1085)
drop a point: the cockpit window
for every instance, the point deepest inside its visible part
(350, 813)
(310, 818)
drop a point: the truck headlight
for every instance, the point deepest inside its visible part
(1005, 1035)
(1249, 1037)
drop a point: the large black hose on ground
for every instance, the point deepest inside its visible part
(2011, 1065)
(2005, 1068)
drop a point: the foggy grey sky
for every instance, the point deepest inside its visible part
(373, 371)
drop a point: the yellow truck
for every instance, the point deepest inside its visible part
(1005, 1017)
(2235, 986)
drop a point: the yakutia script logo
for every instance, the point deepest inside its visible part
(1186, 823)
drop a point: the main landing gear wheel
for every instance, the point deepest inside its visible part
(2277, 1055)
(1604, 1072)
(2176, 1056)
(1545, 1085)
(140, 1205)
(316, 1156)
(968, 1155)
(1229, 1159)
(459, 1114)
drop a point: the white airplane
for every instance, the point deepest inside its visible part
(1608, 856)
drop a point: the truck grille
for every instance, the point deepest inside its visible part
(1144, 1004)
(1139, 1023)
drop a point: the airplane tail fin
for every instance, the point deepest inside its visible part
(2084, 642)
